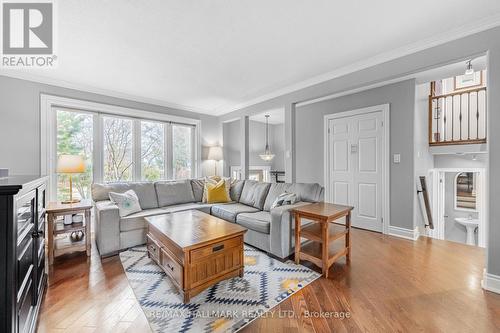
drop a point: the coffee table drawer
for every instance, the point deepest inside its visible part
(171, 267)
(208, 250)
(153, 248)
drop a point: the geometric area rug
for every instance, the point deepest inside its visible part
(227, 306)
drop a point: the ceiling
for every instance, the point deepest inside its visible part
(276, 116)
(213, 56)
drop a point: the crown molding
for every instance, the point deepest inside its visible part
(106, 92)
(466, 30)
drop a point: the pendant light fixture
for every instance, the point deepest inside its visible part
(468, 69)
(267, 156)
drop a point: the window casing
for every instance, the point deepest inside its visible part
(137, 164)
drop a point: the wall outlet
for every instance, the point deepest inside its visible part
(397, 158)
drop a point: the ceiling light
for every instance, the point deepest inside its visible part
(468, 69)
(267, 155)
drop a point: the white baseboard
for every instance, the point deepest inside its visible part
(491, 282)
(404, 233)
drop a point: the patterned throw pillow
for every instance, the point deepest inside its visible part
(284, 199)
(127, 202)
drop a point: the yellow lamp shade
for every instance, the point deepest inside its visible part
(70, 164)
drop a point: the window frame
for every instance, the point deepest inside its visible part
(49, 104)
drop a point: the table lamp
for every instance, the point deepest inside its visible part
(215, 154)
(70, 164)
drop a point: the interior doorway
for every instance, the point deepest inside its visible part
(357, 164)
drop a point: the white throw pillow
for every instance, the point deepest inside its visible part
(284, 199)
(127, 202)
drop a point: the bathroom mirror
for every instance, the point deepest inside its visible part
(465, 191)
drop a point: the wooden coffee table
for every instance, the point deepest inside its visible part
(196, 250)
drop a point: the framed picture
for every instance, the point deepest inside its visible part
(468, 81)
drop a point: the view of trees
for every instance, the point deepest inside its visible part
(152, 153)
(74, 137)
(118, 140)
(182, 154)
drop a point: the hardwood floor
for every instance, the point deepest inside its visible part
(391, 285)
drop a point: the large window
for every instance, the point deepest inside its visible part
(75, 137)
(152, 150)
(182, 151)
(120, 148)
(118, 145)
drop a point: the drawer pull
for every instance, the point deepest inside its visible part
(217, 248)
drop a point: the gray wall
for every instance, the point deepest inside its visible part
(20, 121)
(257, 142)
(309, 141)
(452, 230)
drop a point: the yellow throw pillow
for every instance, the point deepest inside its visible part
(216, 193)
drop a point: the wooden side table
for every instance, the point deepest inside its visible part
(56, 227)
(323, 216)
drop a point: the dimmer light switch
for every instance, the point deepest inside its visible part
(397, 158)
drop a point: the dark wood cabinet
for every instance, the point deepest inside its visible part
(22, 252)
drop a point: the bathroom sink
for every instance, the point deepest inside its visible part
(466, 221)
(470, 226)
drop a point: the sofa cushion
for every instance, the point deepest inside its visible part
(204, 207)
(236, 189)
(145, 192)
(274, 191)
(136, 221)
(197, 186)
(303, 191)
(229, 211)
(174, 192)
(254, 193)
(258, 221)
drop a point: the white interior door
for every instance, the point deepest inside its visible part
(355, 149)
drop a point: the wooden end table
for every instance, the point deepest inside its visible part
(56, 246)
(323, 215)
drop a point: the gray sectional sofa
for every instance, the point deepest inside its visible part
(268, 229)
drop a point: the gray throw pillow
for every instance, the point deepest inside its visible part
(284, 199)
(127, 202)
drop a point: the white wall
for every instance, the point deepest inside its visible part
(423, 159)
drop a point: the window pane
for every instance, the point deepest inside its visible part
(152, 153)
(182, 151)
(74, 137)
(118, 142)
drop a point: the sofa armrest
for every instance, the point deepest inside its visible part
(107, 231)
(281, 230)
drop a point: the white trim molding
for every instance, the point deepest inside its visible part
(404, 232)
(386, 157)
(491, 282)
